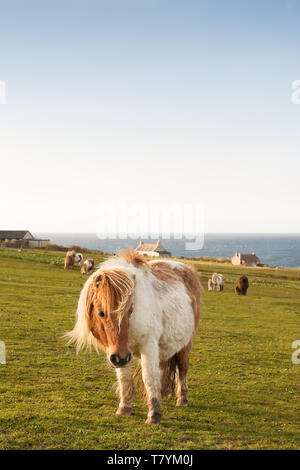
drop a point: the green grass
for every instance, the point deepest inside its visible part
(244, 390)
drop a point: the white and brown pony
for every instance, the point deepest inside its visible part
(148, 309)
(88, 266)
(217, 282)
(72, 258)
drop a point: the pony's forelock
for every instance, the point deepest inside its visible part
(115, 288)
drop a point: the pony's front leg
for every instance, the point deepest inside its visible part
(152, 379)
(125, 390)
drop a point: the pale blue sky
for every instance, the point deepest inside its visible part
(152, 100)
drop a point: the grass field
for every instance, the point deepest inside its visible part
(244, 390)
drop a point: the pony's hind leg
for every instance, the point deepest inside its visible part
(125, 390)
(183, 362)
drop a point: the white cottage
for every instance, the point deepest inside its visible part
(152, 249)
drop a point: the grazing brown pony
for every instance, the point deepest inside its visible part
(242, 286)
(148, 309)
(70, 259)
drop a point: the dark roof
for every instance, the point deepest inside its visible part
(13, 234)
(250, 258)
(33, 239)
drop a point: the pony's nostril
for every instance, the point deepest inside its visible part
(114, 359)
(128, 358)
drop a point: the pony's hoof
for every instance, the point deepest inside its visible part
(154, 419)
(124, 411)
(182, 402)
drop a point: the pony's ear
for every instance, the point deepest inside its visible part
(97, 280)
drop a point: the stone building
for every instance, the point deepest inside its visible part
(22, 238)
(245, 259)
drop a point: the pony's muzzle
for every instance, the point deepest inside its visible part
(118, 361)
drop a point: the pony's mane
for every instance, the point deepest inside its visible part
(71, 253)
(133, 257)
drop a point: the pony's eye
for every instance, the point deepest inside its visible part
(101, 314)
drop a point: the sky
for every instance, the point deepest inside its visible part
(152, 101)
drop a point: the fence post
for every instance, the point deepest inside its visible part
(2, 353)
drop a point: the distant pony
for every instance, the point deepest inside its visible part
(217, 282)
(149, 309)
(70, 259)
(242, 286)
(210, 284)
(87, 266)
(78, 258)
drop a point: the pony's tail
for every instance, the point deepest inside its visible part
(168, 378)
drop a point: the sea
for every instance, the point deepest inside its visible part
(272, 249)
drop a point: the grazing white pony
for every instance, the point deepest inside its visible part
(210, 284)
(87, 266)
(217, 282)
(148, 309)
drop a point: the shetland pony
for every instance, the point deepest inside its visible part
(87, 266)
(217, 282)
(148, 309)
(78, 258)
(242, 286)
(70, 259)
